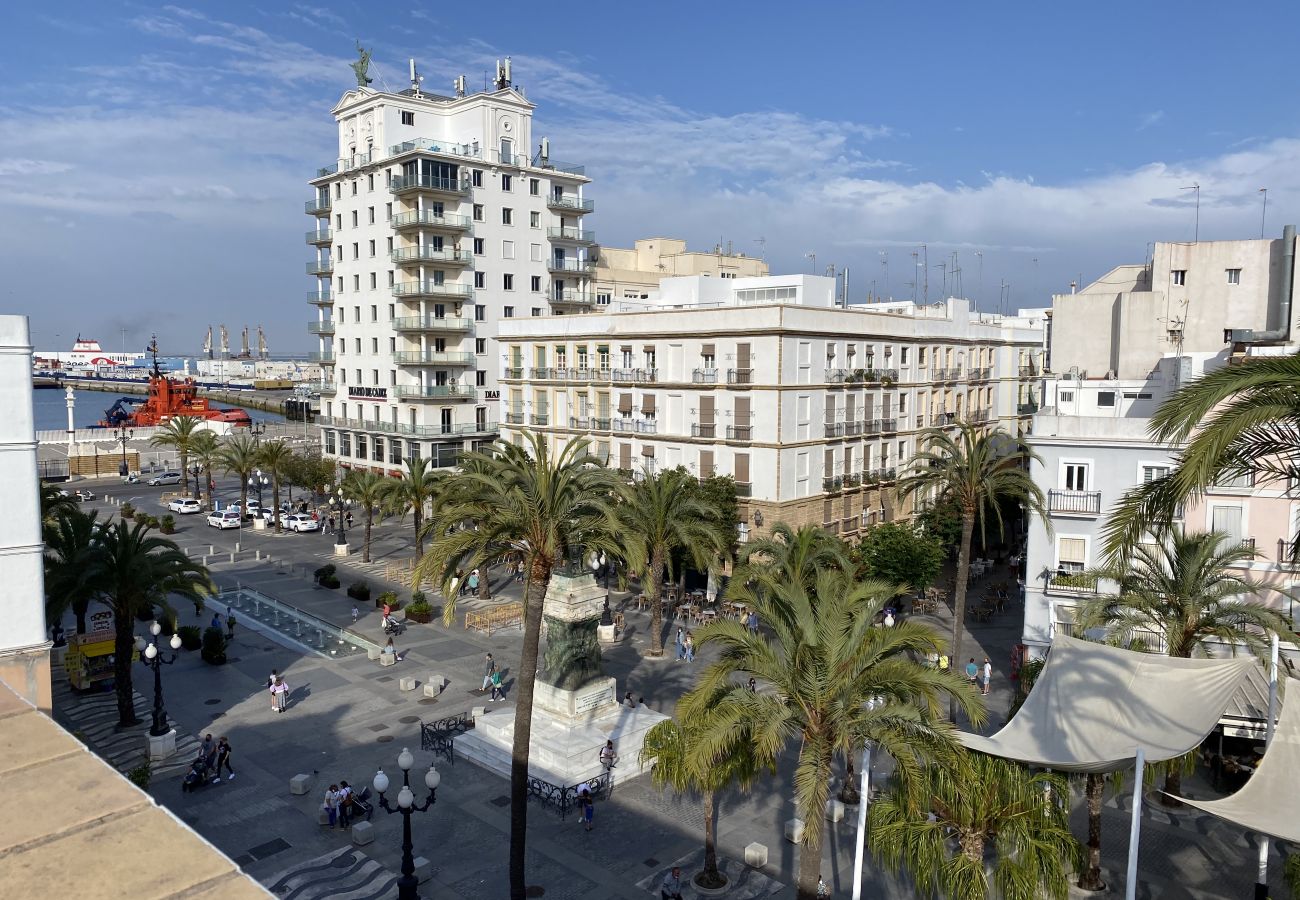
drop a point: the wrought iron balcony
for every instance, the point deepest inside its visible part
(832, 483)
(1075, 503)
(834, 429)
(1072, 582)
(634, 375)
(704, 376)
(704, 430)
(740, 376)
(740, 432)
(542, 419)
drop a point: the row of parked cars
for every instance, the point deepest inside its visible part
(230, 517)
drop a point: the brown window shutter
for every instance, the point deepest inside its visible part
(828, 463)
(648, 450)
(648, 404)
(625, 456)
(830, 409)
(742, 411)
(742, 356)
(850, 408)
(625, 403)
(706, 410)
(742, 468)
(626, 348)
(706, 463)
(707, 350)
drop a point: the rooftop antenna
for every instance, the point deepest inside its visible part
(812, 254)
(545, 151)
(1263, 213)
(416, 80)
(979, 287)
(925, 258)
(943, 266)
(458, 84)
(884, 264)
(762, 248)
(915, 265)
(1196, 186)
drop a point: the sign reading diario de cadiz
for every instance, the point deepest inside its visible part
(374, 393)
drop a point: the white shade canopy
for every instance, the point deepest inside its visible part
(1093, 705)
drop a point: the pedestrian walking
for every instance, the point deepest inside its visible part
(330, 522)
(944, 662)
(671, 887)
(345, 804)
(751, 622)
(519, 572)
(889, 618)
(330, 804)
(690, 647)
(355, 614)
(823, 889)
(489, 666)
(223, 758)
(585, 805)
(230, 624)
(280, 695)
(471, 583)
(608, 756)
(972, 670)
(349, 520)
(498, 692)
(988, 674)
(753, 686)
(208, 751)
(216, 621)
(681, 643)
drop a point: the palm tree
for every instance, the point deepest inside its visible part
(54, 502)
(238, 456)
(979, 470)
(1094, 793)
(673, 750)
(71, 545)
(206, 451)
(824, 660)
(788, 553)
(134, 571)
(413, 491)
(1240, 420)
(940, 824)
(522, 502)
(274, 457)
(368, 490)
(1183, 593)
(664, 516)
(179, 434)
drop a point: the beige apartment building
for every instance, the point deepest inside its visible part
(622, 274)
(813, 409)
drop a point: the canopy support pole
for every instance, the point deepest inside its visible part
(863, 800)
(1135, 827)
(1261, 881)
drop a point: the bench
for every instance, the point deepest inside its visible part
(503, 615)
(438, 737)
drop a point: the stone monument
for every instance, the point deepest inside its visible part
(575, 705)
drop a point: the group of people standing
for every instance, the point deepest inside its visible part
(685, 645)
(279, 691)
(337, 805)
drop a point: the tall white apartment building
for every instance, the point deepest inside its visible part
(441, 220)
(1118, 348)
(812, 408)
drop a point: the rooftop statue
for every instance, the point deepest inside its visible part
(362, 66)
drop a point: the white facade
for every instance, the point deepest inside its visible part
(813, 409)
(437, 224)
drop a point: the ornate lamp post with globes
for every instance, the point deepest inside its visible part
(339, 506)
(407, 885)
(162, 739)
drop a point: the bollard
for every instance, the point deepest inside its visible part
(212, 549)
(300, 628)
(232, 557)
(237, 546)
(257, 555)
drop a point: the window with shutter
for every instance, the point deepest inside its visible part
(1072, 553)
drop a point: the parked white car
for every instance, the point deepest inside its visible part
(301, 522)
(226, 518)
(164, 478)
(186, 506)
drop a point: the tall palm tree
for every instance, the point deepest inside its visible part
(788, 553)
(1178, 596)
(205, 451)
(1094, 793)
(132, 571)
(238, 457)
(71, 546)
(664, 516)
(522, 502)
(274, 457)
(368, 490)
(824, 660)
(673, 750)
(978, 470)
(179, 434)
(413, 491)
(54, 502)
(939, 825)
(1242, 419)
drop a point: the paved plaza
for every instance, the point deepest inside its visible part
(348, 717)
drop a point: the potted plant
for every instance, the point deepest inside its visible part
(214, 646)
(191, 637)
(167, 524)
(389, 597)
(359, 591)
(419, 609)
(325, 576)
(128, 511)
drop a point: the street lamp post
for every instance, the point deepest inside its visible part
(257, 429)
(196, 471)
(407, 885)
(153, 658)
(340, 505)
(258, 482)
(122, 435)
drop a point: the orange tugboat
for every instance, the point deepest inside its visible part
(168, 398)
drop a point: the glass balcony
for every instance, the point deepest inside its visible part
(434, 392)
(574, 235)
(320, 236)
(321, 326)
(432, 289)
(324, 357)
(426, 145)
(574, 297)
(320, 298)
(424, 218)
(429, 184)
(431, 323)
(571, 266)
(320, 267)
(543, 162)
(433, 358)
(570, 203)
(417, 255)
(319, 207)
(414, 430)
(325, 390)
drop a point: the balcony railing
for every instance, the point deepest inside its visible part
(348, 164)
(744, 489)
(834, 429)
(576, 297)
(740, 376)
(426, 218)
(836, 376)
(570, 203)
(542, 373)
(1078, 503)
(704, 430)
(600, 423)
(320, 267)
(434, 392)
(326, 390)
(1028, 371)
(320, 236)
(863, 376)
(852, 481)
(542, 419)
(645, 426)
(431, 323)
(318, 207)
(740, 432)
(324, 357)
(888, 426)
(1286, 554)
(414, 430)
(979, 374)
(429, 145)
(514, 418)
(570, 266)
(940, 420)
(434, 184)
(704, 376)
(433, 255)
(634, 375)
(321, 326)
(580, 423)
(1026, 409)
(320, 298)
(832, 483)
(577, 235)
(433, 358)
(432, 289)
(1072, 582)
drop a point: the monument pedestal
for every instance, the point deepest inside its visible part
(575, 705)
(162, 746)
(340, 549)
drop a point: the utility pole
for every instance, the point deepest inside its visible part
(1263, 213)
(1196, 186)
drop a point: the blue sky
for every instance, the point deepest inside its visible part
(153, 159)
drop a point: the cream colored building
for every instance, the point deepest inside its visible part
(623, 274)
(812, 408)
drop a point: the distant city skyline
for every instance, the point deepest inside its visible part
(155, 158)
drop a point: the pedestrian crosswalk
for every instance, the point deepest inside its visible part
(93, 718)
(346, 874)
